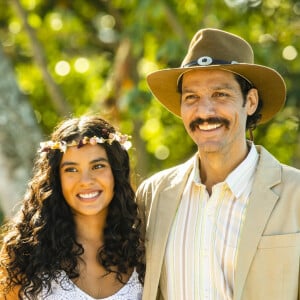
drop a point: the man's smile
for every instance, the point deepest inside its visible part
(208, 124)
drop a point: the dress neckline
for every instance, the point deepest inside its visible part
(124, 289)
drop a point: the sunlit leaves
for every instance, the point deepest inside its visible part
(80, 40)
(289, 53)
(281, 136)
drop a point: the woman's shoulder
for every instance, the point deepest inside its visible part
(12, 295)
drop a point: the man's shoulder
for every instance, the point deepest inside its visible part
(268, 160)
(166, 173)
(291, 172)
(171, 173)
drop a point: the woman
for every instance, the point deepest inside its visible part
(77, 235)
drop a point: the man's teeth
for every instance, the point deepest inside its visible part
(89, 195)
(209, 126)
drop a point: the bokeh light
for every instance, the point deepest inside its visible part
(62, 68)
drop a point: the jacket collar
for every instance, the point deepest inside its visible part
(261, 203)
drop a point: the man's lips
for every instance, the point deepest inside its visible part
(208, 124)
(208, 127)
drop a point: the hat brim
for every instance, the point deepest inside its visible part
(269, 83)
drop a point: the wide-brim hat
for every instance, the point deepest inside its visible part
(221, 50)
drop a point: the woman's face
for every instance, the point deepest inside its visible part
(87, 180)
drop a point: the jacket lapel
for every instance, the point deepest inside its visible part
(261, 203)
(162, 216)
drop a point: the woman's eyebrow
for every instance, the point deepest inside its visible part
(71, 163)
(100, 159)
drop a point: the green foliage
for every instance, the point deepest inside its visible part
(1, 217)
(82, 43)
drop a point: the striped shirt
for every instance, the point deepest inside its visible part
(202, 246)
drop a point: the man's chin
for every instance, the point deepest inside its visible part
(210, 147)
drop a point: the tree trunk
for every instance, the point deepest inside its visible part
(56, 96)
(19, 137)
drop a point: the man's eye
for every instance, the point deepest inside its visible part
(221, 94)
(190, 97)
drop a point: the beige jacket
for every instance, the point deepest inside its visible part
(269, 251)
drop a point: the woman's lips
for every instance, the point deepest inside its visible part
(89, 195)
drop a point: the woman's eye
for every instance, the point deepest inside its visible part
(70, 170)
(98, 166)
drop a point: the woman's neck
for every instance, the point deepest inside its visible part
(90, 229)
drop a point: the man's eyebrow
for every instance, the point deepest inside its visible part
(216, 87)
(187, 90)
(224, 86)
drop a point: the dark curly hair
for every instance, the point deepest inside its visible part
(246, 86)
(41, 240)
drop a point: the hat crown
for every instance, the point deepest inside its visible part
(214, 49)
(219, 45)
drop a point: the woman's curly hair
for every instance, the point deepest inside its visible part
(41, 241)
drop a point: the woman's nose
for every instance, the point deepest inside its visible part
(86, 177)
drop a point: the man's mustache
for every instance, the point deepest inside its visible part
(213, 120)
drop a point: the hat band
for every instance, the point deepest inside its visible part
(207, 60)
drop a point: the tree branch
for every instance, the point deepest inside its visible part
(57, 98)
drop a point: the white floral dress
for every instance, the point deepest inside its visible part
(65, 289)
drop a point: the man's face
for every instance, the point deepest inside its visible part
(213, 110)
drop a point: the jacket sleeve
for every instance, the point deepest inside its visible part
(143, 200)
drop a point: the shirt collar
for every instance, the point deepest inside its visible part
(240, 177)
(196, 172)
(243, 174)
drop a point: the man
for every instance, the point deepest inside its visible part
(225, 224)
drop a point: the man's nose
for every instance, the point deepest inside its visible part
(205, 107)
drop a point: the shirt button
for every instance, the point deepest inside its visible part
(206, 293)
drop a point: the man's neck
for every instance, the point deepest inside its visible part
(215, 167)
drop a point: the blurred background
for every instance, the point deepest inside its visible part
(62, 58)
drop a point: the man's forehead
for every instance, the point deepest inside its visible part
(199, 73)
(217, 79)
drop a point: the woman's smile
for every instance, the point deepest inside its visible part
(89, 195)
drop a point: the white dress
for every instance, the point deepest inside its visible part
(65, 289)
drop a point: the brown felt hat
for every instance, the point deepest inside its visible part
(217, 49)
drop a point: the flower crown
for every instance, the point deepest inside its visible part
(122, 139)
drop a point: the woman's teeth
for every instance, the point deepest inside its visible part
(89, 195)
